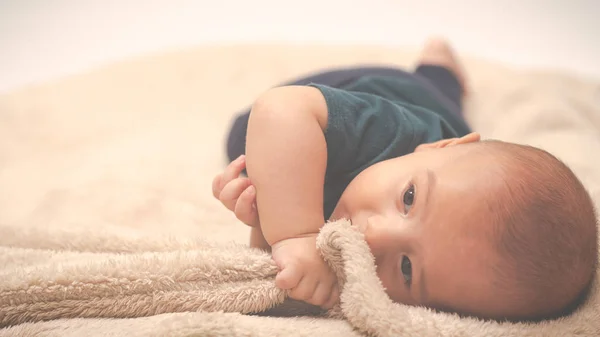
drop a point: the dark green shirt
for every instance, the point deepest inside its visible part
(377, 118)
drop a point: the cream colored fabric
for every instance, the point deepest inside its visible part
(106, 212)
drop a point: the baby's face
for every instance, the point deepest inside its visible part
(421, 217)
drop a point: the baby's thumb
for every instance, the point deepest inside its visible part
(287, 278)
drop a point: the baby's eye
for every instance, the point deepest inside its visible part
(406, 268)
(408, 198)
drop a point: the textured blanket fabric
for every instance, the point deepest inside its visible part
(108, 227)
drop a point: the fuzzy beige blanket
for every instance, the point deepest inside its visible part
(108, 227)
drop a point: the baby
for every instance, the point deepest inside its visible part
(483, 228)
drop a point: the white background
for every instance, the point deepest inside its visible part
(46, 39)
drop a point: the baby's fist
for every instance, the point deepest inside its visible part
(304, 273)
(237, 193)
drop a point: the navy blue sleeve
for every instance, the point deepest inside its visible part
(363, 129)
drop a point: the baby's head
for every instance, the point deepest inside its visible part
(490, 229)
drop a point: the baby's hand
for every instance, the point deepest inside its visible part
(237, 193)
(304, 273)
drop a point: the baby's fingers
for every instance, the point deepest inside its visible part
(245, 207)
(233, 170)
(216, 185)
(231, 192)
(334, 297)
(305, 291)
(288, 278)
(322, 295)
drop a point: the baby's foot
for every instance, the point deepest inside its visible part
(438, 52)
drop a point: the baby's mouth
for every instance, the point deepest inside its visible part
(360, 226)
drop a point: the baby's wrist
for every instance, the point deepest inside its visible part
(306, 237)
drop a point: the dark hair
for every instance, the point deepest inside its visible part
(546, 231)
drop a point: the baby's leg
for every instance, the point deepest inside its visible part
(440, 67)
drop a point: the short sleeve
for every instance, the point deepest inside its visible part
(363, 129)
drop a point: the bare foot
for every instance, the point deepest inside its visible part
(437, 51)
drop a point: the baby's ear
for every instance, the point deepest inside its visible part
(470, 138)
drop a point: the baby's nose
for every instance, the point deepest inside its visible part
(377, 234)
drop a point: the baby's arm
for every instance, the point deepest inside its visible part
(286, 157)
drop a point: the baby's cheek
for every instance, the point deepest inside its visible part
(395, 289)
(381, 240)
